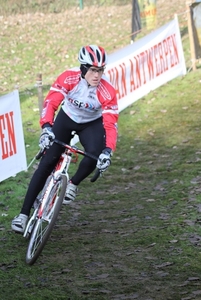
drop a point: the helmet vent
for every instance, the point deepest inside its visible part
(91, 56)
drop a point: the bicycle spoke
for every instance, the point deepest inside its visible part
(39, 236)
(48, 212)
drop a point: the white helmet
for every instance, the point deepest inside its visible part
(92, 55)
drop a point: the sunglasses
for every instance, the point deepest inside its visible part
(95, 70)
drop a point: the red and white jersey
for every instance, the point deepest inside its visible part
(83, 103)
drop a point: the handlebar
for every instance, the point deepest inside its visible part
(40, 154)
(97, 174)
(74, 149)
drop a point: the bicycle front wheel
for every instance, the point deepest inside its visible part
(45, 222)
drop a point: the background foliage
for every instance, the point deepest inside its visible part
(45, 42)
(51, 6)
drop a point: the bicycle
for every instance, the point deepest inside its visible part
(48, 203)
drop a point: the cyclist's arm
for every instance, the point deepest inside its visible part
(59, 89)
(52, 102)
(110, 114)
(111, 130)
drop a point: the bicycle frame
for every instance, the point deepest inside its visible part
(61, 168)
(41, 223)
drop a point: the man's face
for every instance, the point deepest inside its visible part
(93, 75)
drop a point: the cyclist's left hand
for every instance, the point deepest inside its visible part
(104, 160)
(46, 138)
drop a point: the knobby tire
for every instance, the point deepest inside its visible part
(42, 229)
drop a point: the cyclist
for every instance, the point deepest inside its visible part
(88, 106)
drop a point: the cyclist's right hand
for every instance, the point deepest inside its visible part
(46, 138)
(104, 160)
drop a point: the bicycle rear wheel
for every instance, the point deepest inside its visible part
(45, 223)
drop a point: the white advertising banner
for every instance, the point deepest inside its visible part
(12, 147)
(147, 64)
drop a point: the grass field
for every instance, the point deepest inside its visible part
(135, 233)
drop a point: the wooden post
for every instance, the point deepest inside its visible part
(39, 85)
(191, 35)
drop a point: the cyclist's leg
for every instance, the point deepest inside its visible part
(47, 162)
(92, 138)
(39, 178)
(36, 184)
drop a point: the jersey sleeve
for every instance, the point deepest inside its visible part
(110, 113)
(56, 95)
